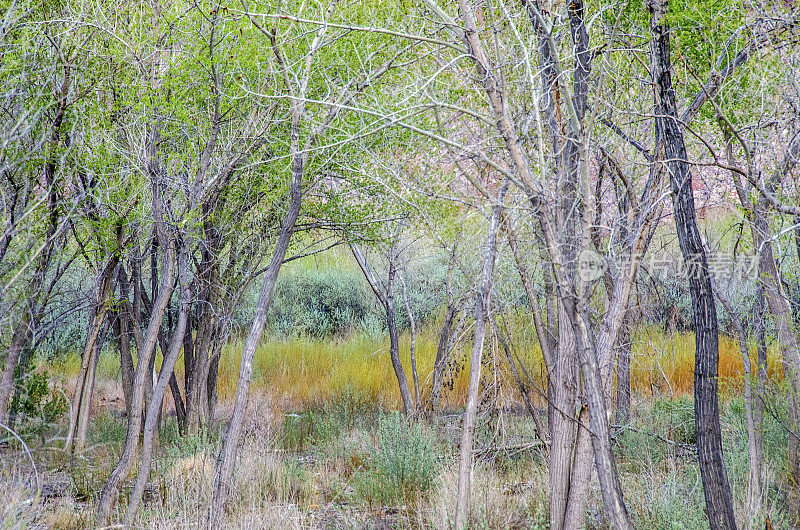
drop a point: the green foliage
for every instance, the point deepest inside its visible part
(317, 303)
(349, 404)
(193, 443)
(107, 428)
(87, 479)
(404, 465)
(36, 405)
(675, 418)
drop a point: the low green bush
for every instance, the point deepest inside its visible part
(317, 303)
(36, 406)
(404, 465)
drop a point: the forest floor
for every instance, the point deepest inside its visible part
(339, 457)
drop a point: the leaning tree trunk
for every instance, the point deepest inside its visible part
(81, 401)
(166, 376)
(394, 338)
(387, 301)
(719, 504)
(481, 315)
(143, 374)
(227, 454)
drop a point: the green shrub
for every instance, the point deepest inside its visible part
(36, 407)
(317, 303)
(349, 404)
(404, 464)
(311, 427)
(674, 419)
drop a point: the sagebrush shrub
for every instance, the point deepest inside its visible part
(404, 464)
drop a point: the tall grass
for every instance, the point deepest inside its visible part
(303, 371)
(662, 363)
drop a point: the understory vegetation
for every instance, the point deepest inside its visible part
(349, 462)
(400, 264)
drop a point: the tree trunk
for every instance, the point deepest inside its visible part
(719, 504)
(481, 315)
(413, 325)
(227, 454)
(624, 373)
(442, 354)
(387, 301)
(81, 401)
(166, 377)
(18, 341)
(754, 443)
(143, 374)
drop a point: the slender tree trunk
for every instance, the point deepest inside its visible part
(227, 454)
(754, 444)
(719, 504)
(166, 376)
(394, 336)
(413, 325)
(481, 315)
(387, 301)
(624, 373)
(81, 401)
(442, 354)
(143, 374)
(521, 386)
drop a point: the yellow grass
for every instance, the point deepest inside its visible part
(303, 371)
(663, 363)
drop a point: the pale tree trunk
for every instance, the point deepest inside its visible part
(227, 455)
(81, 401)
(624, 344)
(770, 289)
(166, 375)
(482, 298)
(719, 504)
(143, 374)
(754, 443)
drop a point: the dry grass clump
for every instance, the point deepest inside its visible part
(495, 501)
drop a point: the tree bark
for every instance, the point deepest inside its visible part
(623, 411)
(481, 315)
(387, 301)
(413, 325)
(754, 443)
(719, 504)
(166, 377)
(226, 457)
(143, 374)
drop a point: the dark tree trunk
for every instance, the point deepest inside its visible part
(719, 504)
(387, 301)
(442, 354)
